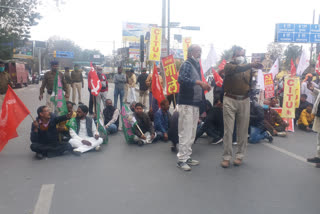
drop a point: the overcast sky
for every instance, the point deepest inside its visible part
(95, 24)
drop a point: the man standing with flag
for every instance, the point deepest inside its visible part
(191, 97)
(48, 82)
(4, 82)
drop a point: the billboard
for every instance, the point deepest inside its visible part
(297, 33)
(24, 50)
(131, 31)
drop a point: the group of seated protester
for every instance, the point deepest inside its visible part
(74, 132)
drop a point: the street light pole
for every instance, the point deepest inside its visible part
(168, 48)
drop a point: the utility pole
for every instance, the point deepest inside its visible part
(318, 45)
(311, 49)
(163, 19)
(168, 48)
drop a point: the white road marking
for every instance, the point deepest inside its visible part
(44, 201)
(288, 153)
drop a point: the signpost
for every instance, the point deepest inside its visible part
(64, 54)
(297, 33)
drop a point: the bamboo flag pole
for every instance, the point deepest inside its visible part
(32, 117)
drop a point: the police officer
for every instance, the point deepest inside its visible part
(48, 82)
(236, 105)
(67, 77)
(4, 82)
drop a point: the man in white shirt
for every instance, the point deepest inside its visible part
(84, 134)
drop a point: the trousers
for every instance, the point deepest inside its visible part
(76, 86)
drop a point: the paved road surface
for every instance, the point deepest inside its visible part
(123, 179)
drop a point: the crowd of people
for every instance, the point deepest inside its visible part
(235, 118)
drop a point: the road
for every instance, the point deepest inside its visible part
(124, 178)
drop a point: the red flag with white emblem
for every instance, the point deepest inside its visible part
(157, 91)
(94, 81)
(293, 69)
(222, 64)
(318, 65)
(12, 114)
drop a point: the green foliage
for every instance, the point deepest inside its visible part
(227, 54)
(16, 19)
(275, 50)
(292, 52)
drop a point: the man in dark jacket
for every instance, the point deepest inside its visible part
(44, 134)
(191, 97)
(303, 105)
(111, 117)
(213, 123)
(143, 130)
(143, 88)
(161, 121)
(257, 130)
(273, 122)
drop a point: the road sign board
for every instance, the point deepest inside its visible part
(297, 33)
(64, 54)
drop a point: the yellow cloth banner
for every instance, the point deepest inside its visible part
(155, 44)
(297, 82)
(186, 45)
(289, 98)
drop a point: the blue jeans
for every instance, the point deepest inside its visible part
(112, 129)
(117, 92)
(256, 134)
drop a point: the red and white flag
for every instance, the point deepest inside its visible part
(318, 65)
(217, 78)
(94, 81)
(156, 87)
(293, 70)
(274, 69)
(222, 64)
(12, 114)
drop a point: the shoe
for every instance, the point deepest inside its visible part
(97, 148)
(234, 143)
(184, 166)
(192, 162)
(282, 134)
(269, 137)
(174, 149)
(237, 162)
(39, 156)
(75, 152)
(225, 164)
(313, 160)
(217, 142)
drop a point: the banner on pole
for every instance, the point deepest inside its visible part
(297, 86)
(289, 121)
(289, 98)
(155, 44)
(171, 75)
(268, 86)
(186, 45)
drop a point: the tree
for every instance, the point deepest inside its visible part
(16, 19)
(274, 51)
(227, 54)
(292, 52)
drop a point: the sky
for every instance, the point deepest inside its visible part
(95, 24)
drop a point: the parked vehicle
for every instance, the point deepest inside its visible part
(35, 78)
(18, 73)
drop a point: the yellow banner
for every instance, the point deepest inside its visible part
(297, 82)
(186, 45)
(289, 98)
(155, 44)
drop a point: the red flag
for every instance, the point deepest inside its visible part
(94, 81)
(13, 113)
(318, 65)
(202, 76)
(293, 70)
(222, 64)
(217, 78)
(157, 91)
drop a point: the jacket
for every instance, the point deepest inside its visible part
(4, 82)
(144, 123)
(142, 82)
(161, 121)
(132, 81)
(190, 93)
(51, 135)
(256, 115)
(306, 118)
(119, 81)
(149, 82)
(316, 123)
(237, 80)
(272, 119)
(76, 76)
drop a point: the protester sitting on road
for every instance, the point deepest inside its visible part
(257, 129)
(133, 106)
(274, 103)
(161, 121)
(143, 130)
(273, 122)
(111, 117)
(306, 118)
(213, 123)
(303, 105)
(44, 134)
(316, 124)
(85, 136)
(63, 130)
(173, 130)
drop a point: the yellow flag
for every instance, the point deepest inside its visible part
(186, 45)
(155, 44)
(289, 98)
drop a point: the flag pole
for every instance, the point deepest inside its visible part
(32, 117)
(139, 129)
(174, 99)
